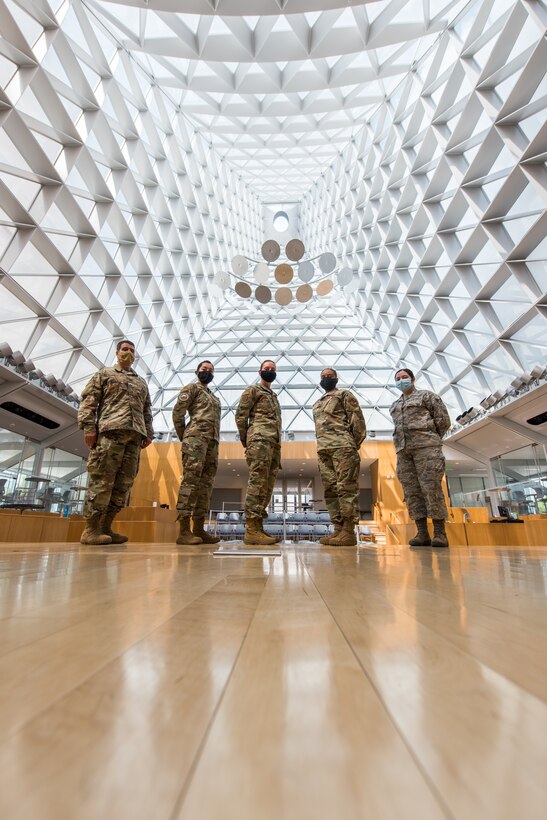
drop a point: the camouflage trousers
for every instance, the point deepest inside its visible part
(199, 468)
(263, 460)
(112, 466)
(421, 473)
(339, 471)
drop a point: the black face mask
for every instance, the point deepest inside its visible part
(205, 376)
(268, 375)
(328, 383)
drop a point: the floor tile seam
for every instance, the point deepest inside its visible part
(86, 571)
(486, 665)
(451, 641)
(443, 806)
(37, 608)
(7, 735)
(483, 609)
(179, 800)
(122, 603)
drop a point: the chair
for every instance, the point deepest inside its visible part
(234, 517)
(225, 531)
(305, 531)
(275, 529)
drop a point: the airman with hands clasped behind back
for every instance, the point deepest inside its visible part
(340, 430)
(258, 419)
(200, 440)
(421, 420)
(116, 416)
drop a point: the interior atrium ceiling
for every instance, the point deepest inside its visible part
(278, 88)
(139, 145)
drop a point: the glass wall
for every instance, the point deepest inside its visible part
(465, 490)
(47, 479)
(519, 488)
(521, 480)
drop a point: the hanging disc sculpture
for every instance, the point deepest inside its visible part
(285, 283)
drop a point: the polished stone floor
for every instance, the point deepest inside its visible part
(171, 684)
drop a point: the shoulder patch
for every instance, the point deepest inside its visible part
(184, 396)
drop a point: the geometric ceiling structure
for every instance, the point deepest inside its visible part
(278, 94)
(141, 145)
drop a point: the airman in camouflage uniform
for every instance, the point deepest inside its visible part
(200, 439)
(340, 429)
(116, 417)
(421, 420)
(258, 419)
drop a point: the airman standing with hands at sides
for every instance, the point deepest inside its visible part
(116, 416)
(200, 439)
(258, 419)
(421, 420)
(340, 430)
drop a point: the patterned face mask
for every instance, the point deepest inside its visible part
(126, 356)
(403, 384)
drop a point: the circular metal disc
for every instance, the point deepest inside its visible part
(271, 250)
(283, 296)
(284, 274)
(295, 250)
(243, 289)
(306, 271)
(240, 265)
(263, 294)
(324, 287)
(222, 279)
(262, 273)
(327, 262)
(304, 293)
(344, 277)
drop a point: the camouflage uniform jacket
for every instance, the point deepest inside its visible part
(204, 409)
(420, 420)
(339, 421)
(116, 399)
(258, 415)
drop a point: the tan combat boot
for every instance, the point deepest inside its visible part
(326, 539)
(346, 537)
(421, 539)
(92, 533)
(198, 528)
(440, 538)
(186, 535)
(106, 527)
(255, 535)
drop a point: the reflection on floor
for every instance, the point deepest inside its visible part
(164, 682)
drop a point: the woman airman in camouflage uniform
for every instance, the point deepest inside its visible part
(421, 420)
(258, 419)
(200, 438)
(340, 430)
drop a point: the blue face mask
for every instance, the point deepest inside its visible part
(404, 384)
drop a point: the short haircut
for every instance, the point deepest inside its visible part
(205, 361)
(267, 361)
(125, 342)
(406, 370)
(331, 369)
